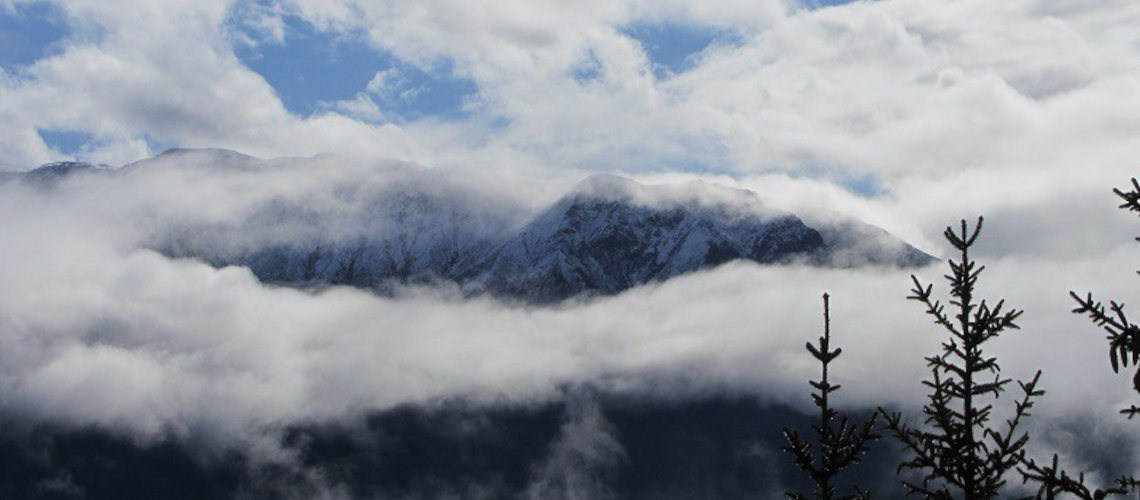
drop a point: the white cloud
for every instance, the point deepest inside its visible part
(362, 107)
(166, 71)
(384, 81)
(99, 331)
(265, 23)
(892, 90)
(582, 458)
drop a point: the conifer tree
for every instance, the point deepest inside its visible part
(1052, 482)
(957, 452)
(1123, 335)
(1123, 348)
(841, 444)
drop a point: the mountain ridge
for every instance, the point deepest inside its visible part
(605, 235)
(596, 240)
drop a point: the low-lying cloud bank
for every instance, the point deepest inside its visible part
(98, 330)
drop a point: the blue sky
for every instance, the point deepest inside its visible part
(29, 32)
(312, 69)
(671, 47)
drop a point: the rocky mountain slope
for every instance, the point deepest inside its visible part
(606, 235)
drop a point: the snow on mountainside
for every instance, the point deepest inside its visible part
(200, 158)
(406, 237)
(52, 173)
(611, 234)
(376, 228)
(395, 224)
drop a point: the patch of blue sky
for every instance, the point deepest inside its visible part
(820, 4)
(156, 146)
(68, 142)
(589, 70)
(702, 166)
(78, 144)
(438, 93)
(866, 186)
(29, 32)
(672, 47)
(314, 68)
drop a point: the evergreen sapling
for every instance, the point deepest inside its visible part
(957, 452)
(841, 444)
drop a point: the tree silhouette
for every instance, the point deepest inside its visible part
(1123, 335)
(839, 446)
(1123, 348)
(1052, 482)
(957, 452)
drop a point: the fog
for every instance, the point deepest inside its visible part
(98, 329)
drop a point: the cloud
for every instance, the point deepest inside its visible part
(100, 331)
(914, 99)
(121, 84)
(263, 23)
(381, 81)
(582, 459)
(361, 107)
(880, 88)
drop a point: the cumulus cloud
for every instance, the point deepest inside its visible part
(361, 107)
(264, 23)
(120, 83)
(886, 89)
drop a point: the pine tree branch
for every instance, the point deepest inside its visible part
(1052, 481)
(1123, 335)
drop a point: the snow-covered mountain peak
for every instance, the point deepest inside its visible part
(608, 187)
(214, 159)
(695, 196)
(66, 167)
(205, 154)
(694, 193)
(382, 224)
(52, 173)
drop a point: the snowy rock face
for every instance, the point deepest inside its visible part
(383, 227)
(406, 238)
(608, 235)
(48, 175)
(612, 234)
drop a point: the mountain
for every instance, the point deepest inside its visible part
(607, 235)
(401, 236)
(198, 158)
(853, 243)
(611, 234)
(387, 226)
(52, 173)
